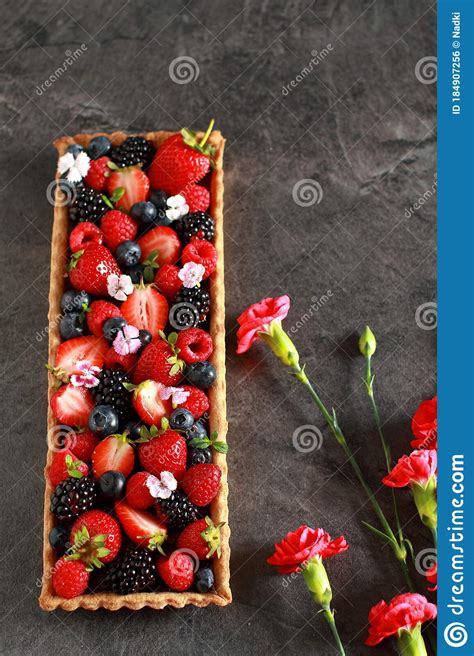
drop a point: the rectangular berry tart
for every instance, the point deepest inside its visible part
(136, 475)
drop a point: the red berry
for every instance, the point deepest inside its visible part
(146, 309)
(77, 349)
(83, 234)
(138, 494)
(201, 252)
(97, 523)
(98, 173)
(114, 360)
(167, 452)
(82, 444)
(197, 197)
(64, 465)
(201, 537)
(72, 405)
(154, 363)
(135, 185)
(117, 227)
(177, 571)
(99, 312)
(201, 483)
(195, 345)
(70, 578)
(90, 268)
(197, 402)
(164, 241)
(167, 281)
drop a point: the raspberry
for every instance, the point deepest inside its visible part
(197, 402)
(114, 360)
(177, 571)
(83, 234)
(70, 578)
(167, 280)
(195, 345)
(98, 313)
(197, 197)
(117, 227)
(96, 176)
(82, 444)
(201, 483)
(201, 252)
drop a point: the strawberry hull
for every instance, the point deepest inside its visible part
(221, 595)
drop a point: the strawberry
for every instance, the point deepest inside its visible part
(197, 197)
(83, 234)
(177, 571)
(82, 444)
(117, 227)
(197, 402)
(133, 182)
(201, 483)
(72, 405)
(99, 312)
(138, 494)
(167, 280)
(202, 252)
(201, 537)
(147, 401)
(97, 524)
(70, 578)
(89, 269)
(146, 309)
(162, 242)
(141, 527)
(157, 362)
(77, 349)
(167, 452)
(66, 465)
(114, 360)
(98, 173)
(180, 160)
(195, 345)
(114, 453)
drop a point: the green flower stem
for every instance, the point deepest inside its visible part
(329, 616)
(411, 643)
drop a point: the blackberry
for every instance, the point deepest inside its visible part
(72, 497)
(196, 224)
(110, 391)
(134, 150)
(133, 571)
(88, 206)
(198, 297)
(179, 510)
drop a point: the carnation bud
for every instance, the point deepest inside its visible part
(411, 643)
(280, 343)
(425, 501)
(317, 581)
(367, 342)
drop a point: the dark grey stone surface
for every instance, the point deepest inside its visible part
(362, 125)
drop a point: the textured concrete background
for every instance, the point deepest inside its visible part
(361, 125)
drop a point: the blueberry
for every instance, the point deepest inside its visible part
(197, 430)
(72, 300)
(159, 198)
(199, 456)
(103, 420)
(98, 147)
(71, 325)
(204, 579)
(59, 539)
(112, 326)
(128, 253)
(201, 374)
(145, 337)
(74, 149)
(181, 419)
(145, 212)
(112, 484)
(162, 219)
(133, 429)
(135, 272)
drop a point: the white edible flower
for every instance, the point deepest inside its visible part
(75, 168)
(177, 207)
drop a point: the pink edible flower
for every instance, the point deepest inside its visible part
(191, 274)
(87, 377)
(163, 486)
(127, 340)
(177, 394)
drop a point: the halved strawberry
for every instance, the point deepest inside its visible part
(114, 453)
(146, 309)
(72, 405)
(147, 401)
(69, 353)
(140, 526)
(162, 240)
(135, 185)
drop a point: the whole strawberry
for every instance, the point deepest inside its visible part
(201, 483)
(89, 269)
(70, 578)
(167, 452)
(180, 161)
(66, 465)
(159, 362)
(177, 571)
(201, 537)
(93, 534)
(117, 227)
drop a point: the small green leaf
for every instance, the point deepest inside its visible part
(175, 369)
(102, 552)
(221, 447)
(113, 166)
(200, 442)
(107, 201)
(173, 338)
(130, 387)
(75, 473)
(117, 194)
(148, 274)
(378, 533)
